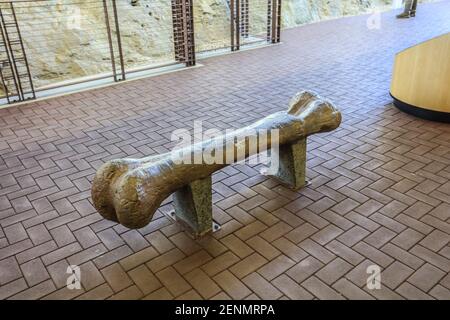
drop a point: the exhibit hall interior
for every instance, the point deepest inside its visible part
(258, 152)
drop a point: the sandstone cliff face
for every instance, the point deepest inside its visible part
(65, 42)
(297, 12)
(68, 41)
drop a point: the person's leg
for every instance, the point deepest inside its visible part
(413, 8)
(408, 7)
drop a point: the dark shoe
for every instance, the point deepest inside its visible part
(412, 14)
(404, 15)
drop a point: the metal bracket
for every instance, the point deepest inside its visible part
(193, 203)
(171, 216)
(291, 168)
(193, 208)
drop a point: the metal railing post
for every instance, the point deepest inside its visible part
(238, 24)
(9, 62)
(236, 19)
(111, 40)
(15, 59)
(111, 48)
(274, 21)
(274, 16)
(24, 55)
(177, 31)
(278, 35)
(232, 23)
(269, 20)
(244, 18)
(183, 31)
(190, 33)
(119, 40)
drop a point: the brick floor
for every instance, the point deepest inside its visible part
(380, 191)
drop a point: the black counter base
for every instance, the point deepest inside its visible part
(420, 112)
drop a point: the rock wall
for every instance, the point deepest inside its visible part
(67, 39)
(298, 12)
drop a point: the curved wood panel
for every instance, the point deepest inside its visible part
(421, 77)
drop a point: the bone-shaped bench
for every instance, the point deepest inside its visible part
(129, 191)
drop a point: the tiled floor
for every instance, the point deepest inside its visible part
(380, 190)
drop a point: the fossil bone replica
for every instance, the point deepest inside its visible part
(129, 191)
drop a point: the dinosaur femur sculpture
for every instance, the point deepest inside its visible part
(129, 191)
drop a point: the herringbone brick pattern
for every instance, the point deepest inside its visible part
(380, 191)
